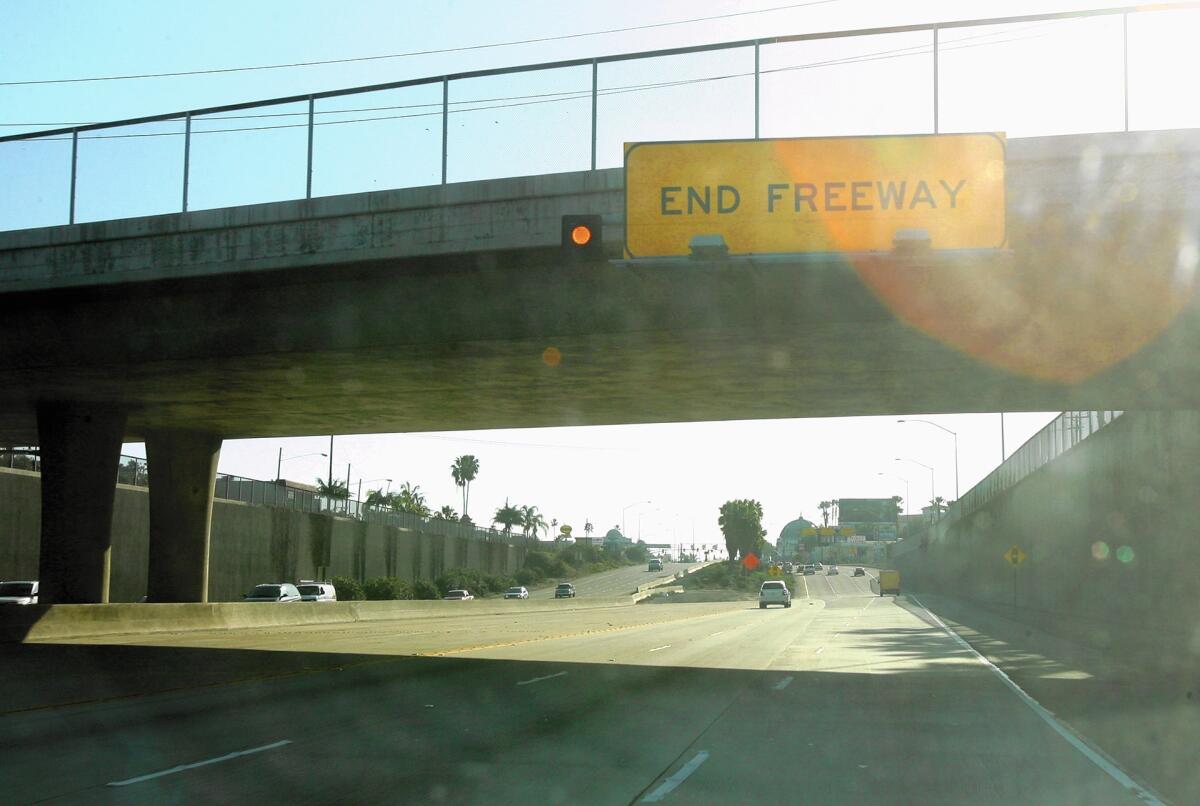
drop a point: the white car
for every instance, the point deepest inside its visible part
(833, 571)
(19, 592)
(273, 592)
(311, 591)
(517, 592)
(457, 596)
(773, 591)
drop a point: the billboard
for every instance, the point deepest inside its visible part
(866, 510)
(823, 194)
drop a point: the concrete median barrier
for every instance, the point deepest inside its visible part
(64, 622)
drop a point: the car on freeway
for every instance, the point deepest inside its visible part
(273, 592)
(774, 591)
(22, 592)
(859, 572)
(312, 591)
(809, 568)
(788, 568)
(833, 571)
(516, 592)
(654, 565)
(457, 596)
(818, 566)
(565, 590)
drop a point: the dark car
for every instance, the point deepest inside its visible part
(565, 590)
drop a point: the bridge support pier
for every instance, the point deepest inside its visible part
(183, 471)
(81, 448)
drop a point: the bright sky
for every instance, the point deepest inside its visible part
(1025, 80)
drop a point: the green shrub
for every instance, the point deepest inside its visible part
(527, 577)
(382, 589)
(348, 589)
(424, 589)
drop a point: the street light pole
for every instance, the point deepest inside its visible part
(279, 462)
(906, 492)
(955, 435)
(626, 508)
(932, 490)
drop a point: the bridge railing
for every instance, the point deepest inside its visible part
(133, 471)
(1056, 438)
(573, 114)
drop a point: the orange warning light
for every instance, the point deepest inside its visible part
(581, 235)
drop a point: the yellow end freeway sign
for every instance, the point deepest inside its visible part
(1014, 556)
(824, 194)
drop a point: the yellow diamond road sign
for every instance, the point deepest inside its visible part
(1014, 556)
(776, 571)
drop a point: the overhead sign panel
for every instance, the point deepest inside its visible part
(827, 194)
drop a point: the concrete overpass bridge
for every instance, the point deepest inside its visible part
(449, 307)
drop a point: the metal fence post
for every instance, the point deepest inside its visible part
(74, 163)
(445, 123)
(187, 156)
(595, 90)
(1125, 65)
(308, 180)
(935, 81)
(756, 81)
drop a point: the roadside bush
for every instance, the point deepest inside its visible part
(348, 589)
(424, 589)
(382, 589)
(479, 583)
(527, 577)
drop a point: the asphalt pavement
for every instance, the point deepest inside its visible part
(846, 697)
(617, 582)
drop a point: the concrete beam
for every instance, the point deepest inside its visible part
(81, 447)
(183, 469)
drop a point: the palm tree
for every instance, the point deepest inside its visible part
(410, 499)
(378, 499)
(446, 513)
(825, 506)
(588, 528)
(532, 521)
(508, 516)
(464, 470)
(939, 506)
(335, 490)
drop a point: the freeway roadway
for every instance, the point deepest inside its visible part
(846, 697)
(617, 582)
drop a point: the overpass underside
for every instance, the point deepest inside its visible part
(1091, 307)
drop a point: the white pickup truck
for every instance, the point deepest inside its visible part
(774, 592)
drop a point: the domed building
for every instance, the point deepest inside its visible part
(613, 537)
(790, 543)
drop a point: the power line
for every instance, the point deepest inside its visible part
(460, 49)
(556, 97)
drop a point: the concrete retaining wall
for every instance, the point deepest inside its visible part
(250, 544)
(1109, 530)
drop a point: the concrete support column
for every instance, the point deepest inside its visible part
(183, 474)
(81, 448)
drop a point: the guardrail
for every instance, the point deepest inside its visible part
(1058, 436)
(133, 471)
(307, 115)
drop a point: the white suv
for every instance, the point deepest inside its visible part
(19, 592)
(311, 591)
(773, 591)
